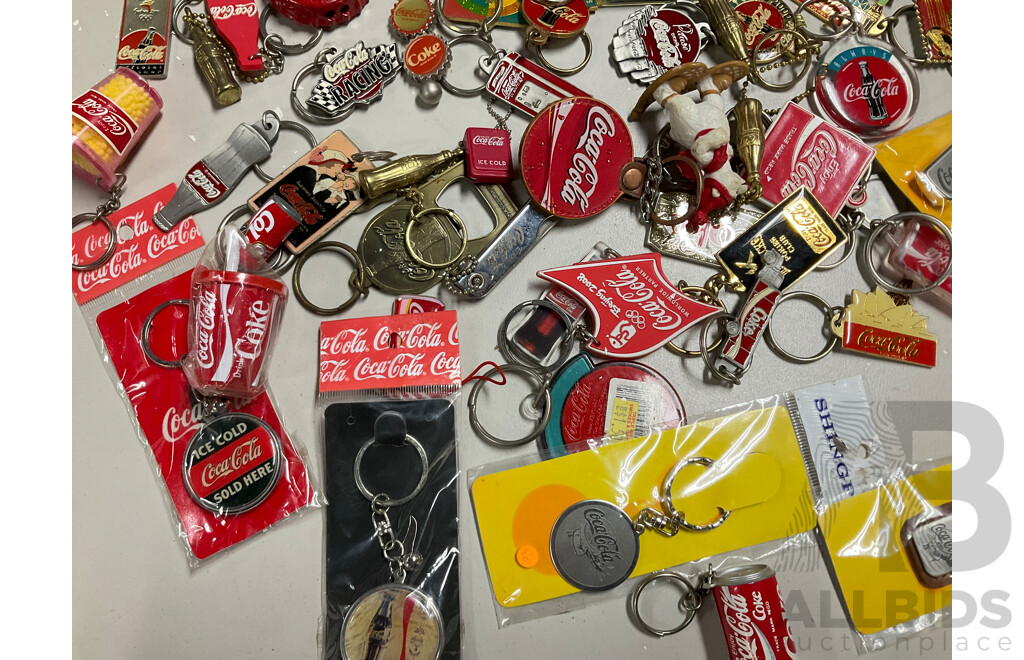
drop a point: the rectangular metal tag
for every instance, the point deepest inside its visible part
(145, 37)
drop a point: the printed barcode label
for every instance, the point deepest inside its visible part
(632, 408)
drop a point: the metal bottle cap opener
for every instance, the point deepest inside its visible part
(210, 180)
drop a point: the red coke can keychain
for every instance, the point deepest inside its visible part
(749, 605)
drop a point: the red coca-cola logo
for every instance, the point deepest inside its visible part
(565, 20)
(872, 91)
(306, 210)
(106, 118)
(759, 18)
(671, 39)
(571, 157)
(206, 323)
(206, 184)
(425, 55)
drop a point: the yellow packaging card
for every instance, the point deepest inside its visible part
(758, 473)
(863, 535)
(906, 159)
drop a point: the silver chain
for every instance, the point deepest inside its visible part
(652, 182)
(114, 202)
(399, 562)
(656, 521)
(502, 121)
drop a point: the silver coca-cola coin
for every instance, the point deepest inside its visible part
(232, 463)
(594, 546)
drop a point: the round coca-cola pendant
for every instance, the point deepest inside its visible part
(867, 87)
(232, 463)
(559, 21)
(571, 156)
(653, 40)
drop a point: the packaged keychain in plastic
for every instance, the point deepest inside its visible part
(385, 397)
(920, 163)
(229, 466)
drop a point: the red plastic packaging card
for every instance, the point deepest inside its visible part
(804, 150)
(230, 476)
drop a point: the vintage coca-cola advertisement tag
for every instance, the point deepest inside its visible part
(804, 150)
(388, 352)
(169, 419)
(635, 307)
(572, 155)
(145, 35)
(141, 246)
(526, 86)
(875, 325)
(238, 24)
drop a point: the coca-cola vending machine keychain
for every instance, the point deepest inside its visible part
(749, 604)
(235, 308)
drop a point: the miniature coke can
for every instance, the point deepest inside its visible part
(271, 225)
(107, 122)
(752, 615)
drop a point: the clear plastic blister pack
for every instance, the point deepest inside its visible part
(229, 466)
(386, 404)
(561, 530)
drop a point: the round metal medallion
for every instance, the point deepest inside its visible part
(392, 621)
(594, 546)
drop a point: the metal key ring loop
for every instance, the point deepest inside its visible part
(891, 223)
(280, 260)
(516, 355)
(849, 21)
(634, 603)
(299, 106)
(542, 421)
(670, 509)
(234, 215)
(111, 231)
(356, 281)
(178, 8)
(467, 38)
(848, 251)
(769, 338)
(691, 209)
(144, 340)
(475, 28)
(587, 45)
(781, 87)
(279, 44)
(890, 34)
(282, 125)
(705, 350)
(357, 471)
(685, 352)
(456, 221)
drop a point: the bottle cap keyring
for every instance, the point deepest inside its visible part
(891, 223)
(356, 281)
(542, 391)
(389, 502)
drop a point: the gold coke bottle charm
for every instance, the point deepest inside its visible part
(750, 142)
(404, 172)
(212, 60)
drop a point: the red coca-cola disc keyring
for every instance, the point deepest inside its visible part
(617, 398)
(867, 87)
(571, 157)
(319, 13)
(562, 21)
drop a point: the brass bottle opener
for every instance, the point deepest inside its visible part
(382, 247)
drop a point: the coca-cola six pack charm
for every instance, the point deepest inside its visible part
(768, 190)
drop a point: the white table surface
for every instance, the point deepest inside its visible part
(133, 593)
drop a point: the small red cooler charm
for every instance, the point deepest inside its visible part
(752, 614)
(488, 155)
(236, 303)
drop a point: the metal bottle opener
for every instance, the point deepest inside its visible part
(210, 180)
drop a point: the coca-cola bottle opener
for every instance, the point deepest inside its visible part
(211, 179)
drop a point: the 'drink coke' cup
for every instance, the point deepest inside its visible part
(232, 329)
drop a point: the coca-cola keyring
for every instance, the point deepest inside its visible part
(113, 203)
(749, 604)
(355, 76)
(365, 631)
(273, 215)
(556, 19)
